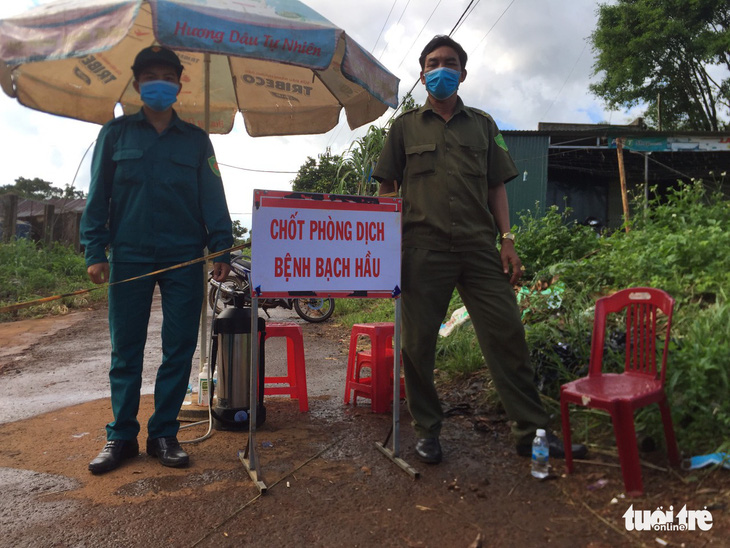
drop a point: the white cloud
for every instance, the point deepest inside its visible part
(533, 63)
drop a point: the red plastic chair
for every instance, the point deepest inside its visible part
(641, 383)
(295, 381)
(378, 387)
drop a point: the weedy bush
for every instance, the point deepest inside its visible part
(677, 243)
(352, 311)
(544, 239)
(29, 271)
(698, 376)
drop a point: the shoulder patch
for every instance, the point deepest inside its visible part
(500, 142)
(213, 164)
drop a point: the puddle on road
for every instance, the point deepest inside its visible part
(22, 504)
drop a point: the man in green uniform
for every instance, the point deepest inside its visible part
(156, 199)
(451, 163)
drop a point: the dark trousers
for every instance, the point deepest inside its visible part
(129, 313)
(428, 281)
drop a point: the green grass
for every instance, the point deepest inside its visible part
(680, 244)
(30, 271)
(352, 311)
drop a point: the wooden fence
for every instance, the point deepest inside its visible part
(47, 221)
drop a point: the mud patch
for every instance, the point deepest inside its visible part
(328, 483)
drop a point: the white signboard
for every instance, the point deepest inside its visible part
(325, 244)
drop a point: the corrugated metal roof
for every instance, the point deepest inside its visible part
(31, 208)
(601, 130)
(530, 154)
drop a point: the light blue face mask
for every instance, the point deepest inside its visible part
(442, 82)
(159, 95)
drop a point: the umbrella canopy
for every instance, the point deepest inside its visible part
(282, 65)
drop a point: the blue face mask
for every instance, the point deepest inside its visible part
(159, 95)
(442, 82)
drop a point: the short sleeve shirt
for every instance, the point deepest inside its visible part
(445, 170)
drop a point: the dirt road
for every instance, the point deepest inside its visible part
(328, 484)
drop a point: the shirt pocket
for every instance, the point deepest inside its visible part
(420, 159)
(473, 155)
(183, 169)
(129, 166)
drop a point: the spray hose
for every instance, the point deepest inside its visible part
(211, 362)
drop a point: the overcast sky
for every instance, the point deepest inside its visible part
(529, 61)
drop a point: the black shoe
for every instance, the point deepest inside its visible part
(428, 450)
(168, 451)
(114, 452)
(557, 450)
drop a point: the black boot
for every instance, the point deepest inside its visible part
(428, 450)
(114, 452)
(168, 451)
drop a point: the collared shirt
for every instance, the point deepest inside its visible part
(445, 170)
(154, 197)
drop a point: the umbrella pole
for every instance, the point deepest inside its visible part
(206, 264)
(206, 69)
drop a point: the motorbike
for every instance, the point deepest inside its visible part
(238, 282)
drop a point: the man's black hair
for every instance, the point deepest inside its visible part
(439, 41)
(156, 55)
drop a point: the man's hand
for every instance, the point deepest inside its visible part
(509, 257)
(98, 273)
(220, 271)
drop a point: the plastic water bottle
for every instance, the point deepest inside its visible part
(540, 454)
(203, 395)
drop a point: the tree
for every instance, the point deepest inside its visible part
(70, 193)
(671, 55)
(34, 189)
(352, 172)
(319, 175)
(239, 233)
(361, 158)
(38, 189)
(360, 162)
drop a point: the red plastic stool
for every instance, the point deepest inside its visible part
(296, 377)
(378, 387)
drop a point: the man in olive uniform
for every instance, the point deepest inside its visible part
(451, 162)
(156, 200)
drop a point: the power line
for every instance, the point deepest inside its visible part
(384, 23)
(463, 17)
(566, 81)
(419, 35)
(335, 134)
(396, 24)
(460, 21)
(256, 170)
(492, 27)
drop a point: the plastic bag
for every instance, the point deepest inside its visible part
(458, 317)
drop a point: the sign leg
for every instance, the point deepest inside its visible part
(394, 453)
(248, 456)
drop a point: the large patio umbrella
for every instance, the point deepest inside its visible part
(282, 65)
